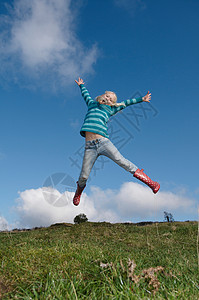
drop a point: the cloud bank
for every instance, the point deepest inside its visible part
(38, 42)
(132, 202)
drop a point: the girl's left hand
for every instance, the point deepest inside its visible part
(147, 98)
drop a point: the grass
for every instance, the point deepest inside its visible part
(101, 261)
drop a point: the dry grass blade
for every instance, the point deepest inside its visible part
(122, 266)
(131, 268)
(104, 266)
(150, 274)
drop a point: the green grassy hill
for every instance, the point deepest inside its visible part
(101, 261)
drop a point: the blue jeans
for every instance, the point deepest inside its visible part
(102, 146)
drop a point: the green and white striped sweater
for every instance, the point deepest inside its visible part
(98, 114)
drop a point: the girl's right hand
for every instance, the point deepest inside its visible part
(147, 98)
(80, 81)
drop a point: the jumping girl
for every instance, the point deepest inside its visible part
(94, 129)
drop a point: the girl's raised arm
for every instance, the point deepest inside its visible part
(146, 98)
(84, 91)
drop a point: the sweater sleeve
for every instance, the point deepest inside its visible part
(126, 103)
(86, 95)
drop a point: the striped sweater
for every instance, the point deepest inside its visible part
(98, 114)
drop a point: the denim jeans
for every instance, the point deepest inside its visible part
(95, 148)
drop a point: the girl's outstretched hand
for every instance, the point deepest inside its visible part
(147, 98)
(79, 81)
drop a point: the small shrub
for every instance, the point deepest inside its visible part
(81, 218)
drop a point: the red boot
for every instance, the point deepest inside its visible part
(139, 174)
(76, 198)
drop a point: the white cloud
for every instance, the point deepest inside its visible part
(133, 201)
(38, 39)
(3, 224)
(35, 208)
(136, 201)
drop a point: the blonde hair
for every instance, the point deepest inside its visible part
(115, 102)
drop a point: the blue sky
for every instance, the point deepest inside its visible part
(126, 46)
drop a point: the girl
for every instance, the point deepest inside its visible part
(94, 129)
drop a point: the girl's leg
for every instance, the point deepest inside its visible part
(90, 156)
(108, 149)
